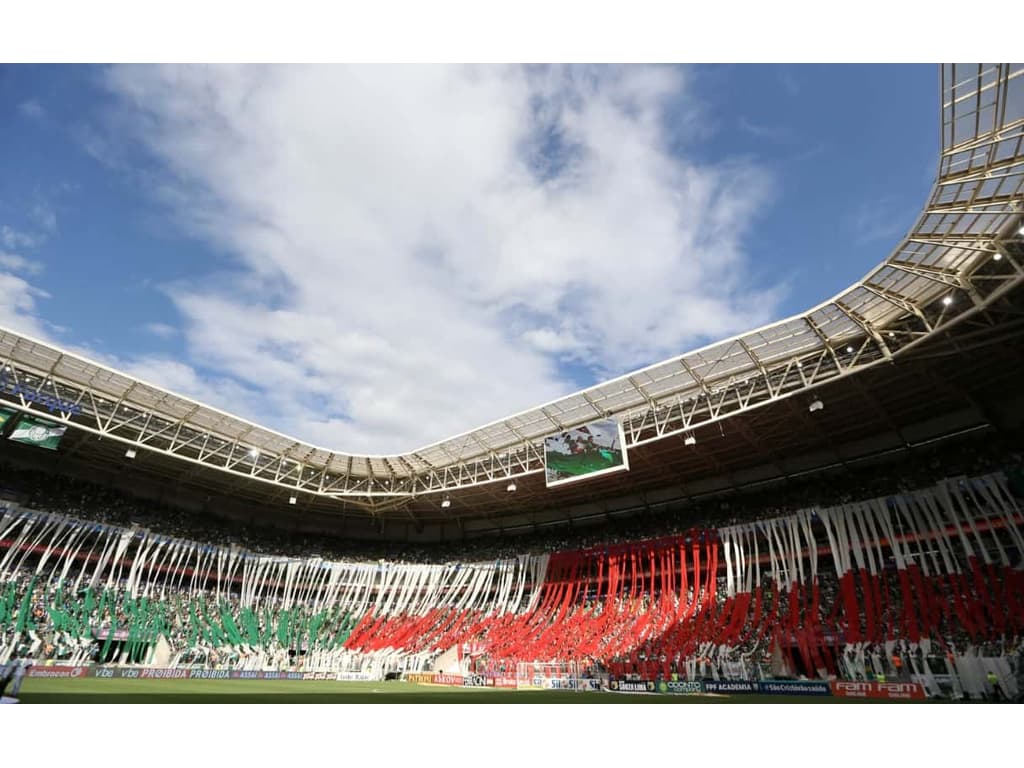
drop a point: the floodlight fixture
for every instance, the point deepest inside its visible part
(446, 502)
(816, 405)
(293, 500)
(690, 440)
(511, 487)
(997, 256)
(947, 300)
(253, 453)
(130, 453)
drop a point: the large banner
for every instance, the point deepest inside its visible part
(58, 671)
(37, 432)
(681, 687)
(795, 687)
(632, 686)
(770, 687)
(589, 450)
(542, 683)
(352, 676)
(136, 673)
(163, 674)
(252, 674)
(871, 690)
(478, 681)
(730, 686)
(419, 677)
(448, 679)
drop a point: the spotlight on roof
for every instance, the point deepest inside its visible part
(253, 453)
(816, 405)
(446, 502)
(130, 453)
(849, 349)
(892, 335)
(511, 487)
(690, 440)
(947, 300)
(293, 500)
(997, 257)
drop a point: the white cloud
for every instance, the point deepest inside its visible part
(16, 263)
(32, 109)
(161, 330)
(18, 309)
(550, 340)
(13, 238)
(45, 217)
(18, 297)
(417, 248)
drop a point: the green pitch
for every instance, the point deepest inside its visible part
(120, 691)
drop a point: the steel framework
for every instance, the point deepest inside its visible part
(965, 251)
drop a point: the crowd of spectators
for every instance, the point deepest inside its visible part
(42, 621)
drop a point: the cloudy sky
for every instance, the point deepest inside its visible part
(373, 259)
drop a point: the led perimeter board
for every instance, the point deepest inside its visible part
(580, 453)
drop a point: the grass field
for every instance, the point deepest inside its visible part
(121, 691)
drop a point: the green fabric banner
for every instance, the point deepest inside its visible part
(24, 623)
(43, 434)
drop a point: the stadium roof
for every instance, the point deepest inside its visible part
(962, 256)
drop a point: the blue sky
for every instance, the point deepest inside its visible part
(377, 258)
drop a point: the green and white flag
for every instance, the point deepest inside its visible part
(37, 432)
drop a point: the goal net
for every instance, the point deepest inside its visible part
(547, 676)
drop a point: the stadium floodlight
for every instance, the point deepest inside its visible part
(817, 405)
(849, 349)
(511, 487)
(892, 335)
(446, 502)
(947, 300)
(690, 440)
(997, 257)
(253, 453)
(130, 453)
(293, 500)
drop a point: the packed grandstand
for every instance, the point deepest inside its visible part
(889, 561)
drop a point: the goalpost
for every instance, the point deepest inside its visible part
(547, 676)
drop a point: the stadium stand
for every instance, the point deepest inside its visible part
(832, 497)
(925, 581)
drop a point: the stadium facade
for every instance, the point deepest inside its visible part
(925, 345)
(922, 582)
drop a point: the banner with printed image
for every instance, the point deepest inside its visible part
(42, 434)
(585, 451)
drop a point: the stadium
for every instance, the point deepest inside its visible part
(826, 508)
